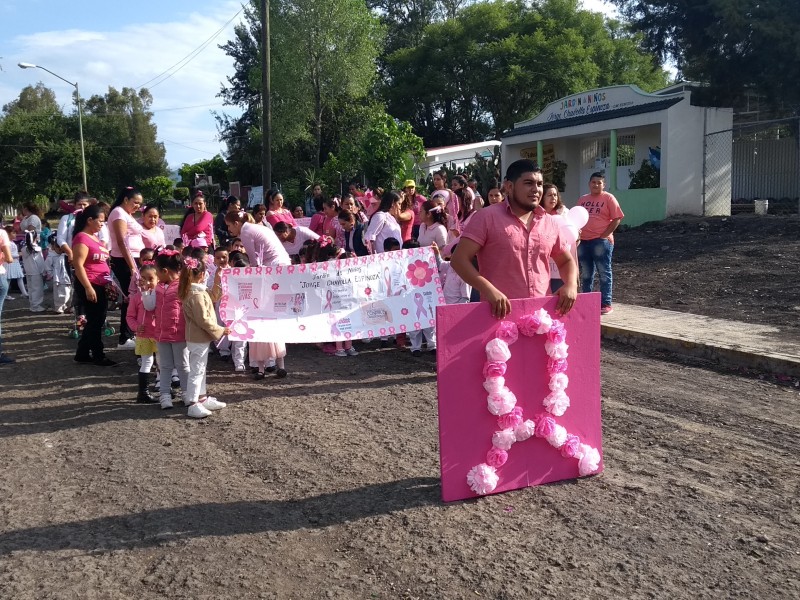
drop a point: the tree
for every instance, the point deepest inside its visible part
(216, 167)
(386, 152)
(317, 75)
(39, 150)
(731, 45)
(120, 136)
(156, 189)
(498, 62)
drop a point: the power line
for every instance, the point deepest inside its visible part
(110, 115)
(189, 57)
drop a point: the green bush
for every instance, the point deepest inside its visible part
(181, 194)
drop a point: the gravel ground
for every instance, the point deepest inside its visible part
(325, 485)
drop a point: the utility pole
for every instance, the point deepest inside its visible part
(266, 102)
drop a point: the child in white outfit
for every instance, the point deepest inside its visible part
(55, 270)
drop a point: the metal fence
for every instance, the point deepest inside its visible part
(754, 167)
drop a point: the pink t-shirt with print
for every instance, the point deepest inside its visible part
(96, 264)
(602, 208)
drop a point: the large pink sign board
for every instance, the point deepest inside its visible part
(466, 426)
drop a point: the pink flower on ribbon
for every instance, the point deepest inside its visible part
(497, 349)
(558, 382)
(302, 327)
(508, 332)
(503, 439)
(501, 402)
(545, 427)
(511, 419)
(557, 333)
(556, 403)
(496, 458)
(494, 368)
(275, 286)
(571, 446)
(558, 437)
(535, 323)
(419, 273)
(494, 384)
(556, 365)
(482, 479)
(590, 460)
(556, 350)
(368, 291)
(524, 430)
(404, 311)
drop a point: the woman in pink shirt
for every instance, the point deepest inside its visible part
(90, 260)
(152, 234)
(277, 212)
(126, 244)
(198, 223)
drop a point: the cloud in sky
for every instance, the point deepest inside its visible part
(125, 45)
(130, 55)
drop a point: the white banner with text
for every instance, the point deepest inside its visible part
(369, 296)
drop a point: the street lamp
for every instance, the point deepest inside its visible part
(24, 65)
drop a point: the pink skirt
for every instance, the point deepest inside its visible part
(263, 351)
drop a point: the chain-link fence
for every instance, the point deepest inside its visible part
(754, 167)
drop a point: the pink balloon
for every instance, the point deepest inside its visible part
(569, 232)
(578, 216)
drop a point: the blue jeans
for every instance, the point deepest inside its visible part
(596, 255)
(3, 294)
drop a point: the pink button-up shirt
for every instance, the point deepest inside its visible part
(515, 259)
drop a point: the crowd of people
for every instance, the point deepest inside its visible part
(168, 294)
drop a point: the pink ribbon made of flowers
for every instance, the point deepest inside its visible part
(483, 478)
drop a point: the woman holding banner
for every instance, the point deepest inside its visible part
(261, 244)
(264, 249)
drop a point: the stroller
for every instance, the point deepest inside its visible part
(115, 296)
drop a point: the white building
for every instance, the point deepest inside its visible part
(613, 130)
(455, 157)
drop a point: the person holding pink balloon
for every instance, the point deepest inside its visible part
(552, 204)
(597, 239)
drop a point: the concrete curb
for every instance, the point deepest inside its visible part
(755, 351)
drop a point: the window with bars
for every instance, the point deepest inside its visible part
(626, 150)
(594, 149)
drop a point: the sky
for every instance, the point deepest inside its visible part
(127, 44)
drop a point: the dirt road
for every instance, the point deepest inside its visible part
(325, 485)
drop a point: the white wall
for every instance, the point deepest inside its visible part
(679, 132)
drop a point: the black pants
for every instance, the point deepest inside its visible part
(90, 344)
(122, 272)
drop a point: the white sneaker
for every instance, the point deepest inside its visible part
(352, 351)
(341, 353)
(212, 403)
(166, 402)
(239, 369)
(129, 344)
(196, 411)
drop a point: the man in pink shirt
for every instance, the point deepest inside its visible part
(597, 239)
(513, 242)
